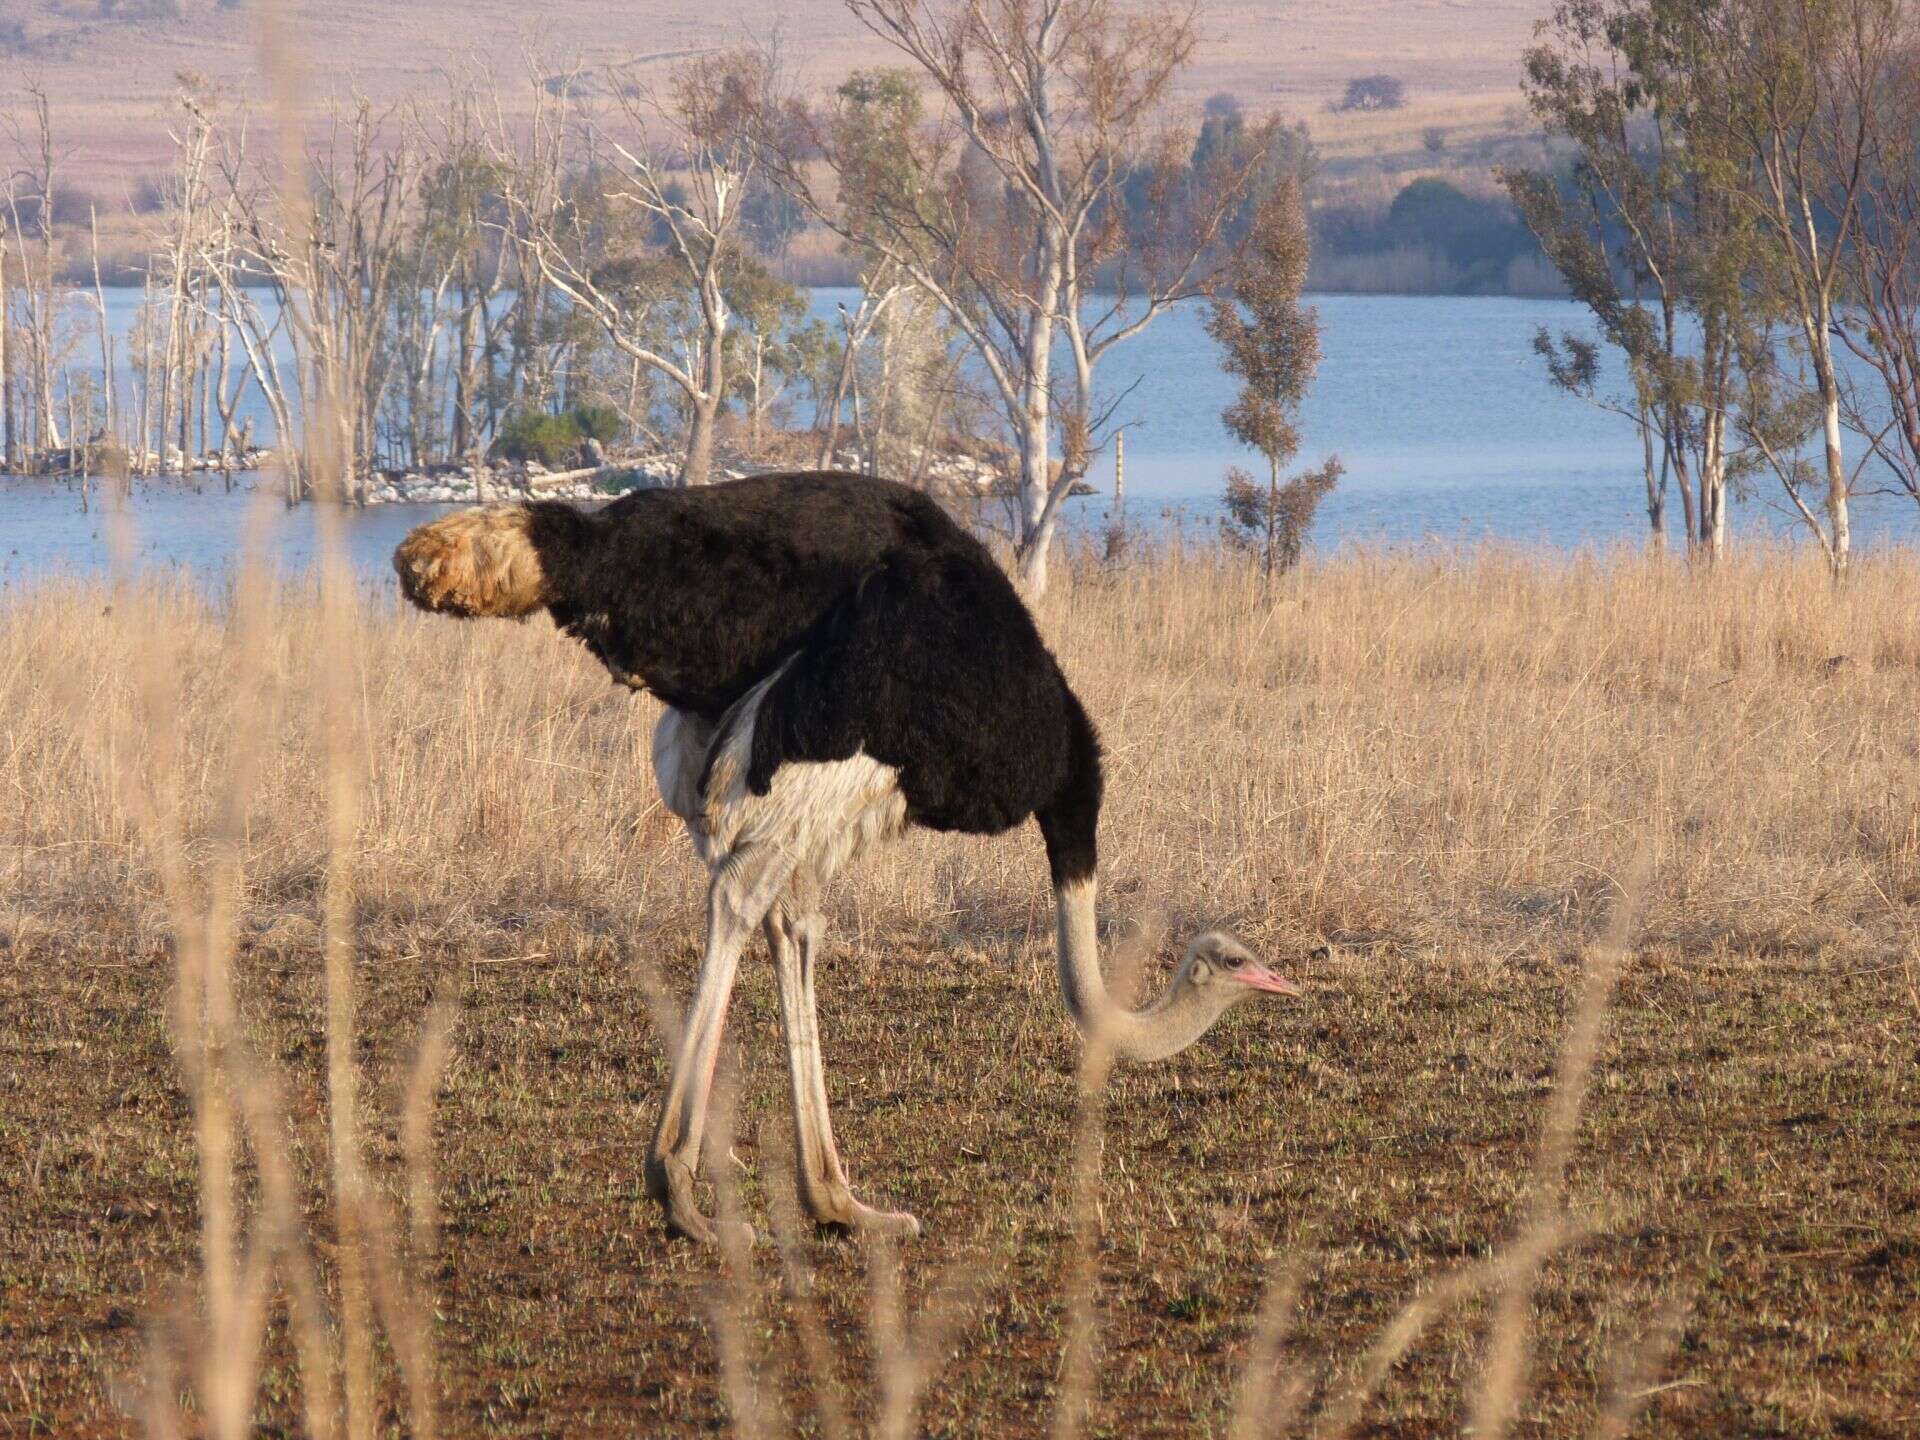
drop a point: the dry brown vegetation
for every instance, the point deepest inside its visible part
(112, 80)
(1420, 784)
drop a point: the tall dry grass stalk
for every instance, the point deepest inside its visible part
(135, 754)
(244, 1249)
(1505, 1379)
(199, 861)
(1087, 1218)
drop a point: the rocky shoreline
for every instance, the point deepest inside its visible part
(97, 461)
(954, 473)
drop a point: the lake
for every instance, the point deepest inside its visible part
(1438, 407)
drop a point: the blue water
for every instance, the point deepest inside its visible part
(1437, 406)
(1448, 428)
(200, 530)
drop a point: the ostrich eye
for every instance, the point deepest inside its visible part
(1232, 961)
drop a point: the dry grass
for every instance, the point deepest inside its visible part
(112, 80)
(1418, 783)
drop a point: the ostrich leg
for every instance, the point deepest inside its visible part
(811, 815)
(793, 935)
(744, 886)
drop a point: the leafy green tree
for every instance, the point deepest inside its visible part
(1006, 206)
(1273, 520)
(771, 219)
(1645, 236)
(1881, 325)
(762, 361)
(1476, 232)
(556, 439)
(538, 435)
(1269, 154)
(1795, 87)
(1739, 145)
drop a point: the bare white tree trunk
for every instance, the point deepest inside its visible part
(1839, 487)
(705, 398)
(9, 452)
(108, 420)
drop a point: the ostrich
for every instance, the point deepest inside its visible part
(839, 660)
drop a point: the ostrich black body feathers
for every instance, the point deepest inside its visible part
(893, 631)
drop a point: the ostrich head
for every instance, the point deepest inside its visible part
(1221, 963)
(475, 562)
(1216, 974)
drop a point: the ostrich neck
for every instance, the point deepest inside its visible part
(1166, 1026)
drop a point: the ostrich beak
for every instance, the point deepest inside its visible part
(1256, 976)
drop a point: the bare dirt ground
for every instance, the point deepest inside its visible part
(1421, 786)
(112, 79)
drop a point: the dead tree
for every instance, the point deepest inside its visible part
(9, 435)
(460, 185)
(682, 171)
(109, 421)
(878, 291)
(330, 285)
(228, 382)
(39, 294)
(233, 240)
(187, 193)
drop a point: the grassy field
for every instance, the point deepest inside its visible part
(112, 78)
(113, 74)
(1423, 786)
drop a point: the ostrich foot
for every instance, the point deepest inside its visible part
(840, 1211)
(671, 1183)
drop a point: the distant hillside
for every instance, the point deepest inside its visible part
(109, 65)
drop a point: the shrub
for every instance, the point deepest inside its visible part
(555, 439)
(1373, 92)
(1434, 237)
(596, 422)
(149, 197)
(538, 435)
(619, 482)
(73, 206)
(109, 458)
(1470, 230)
(139, 10)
